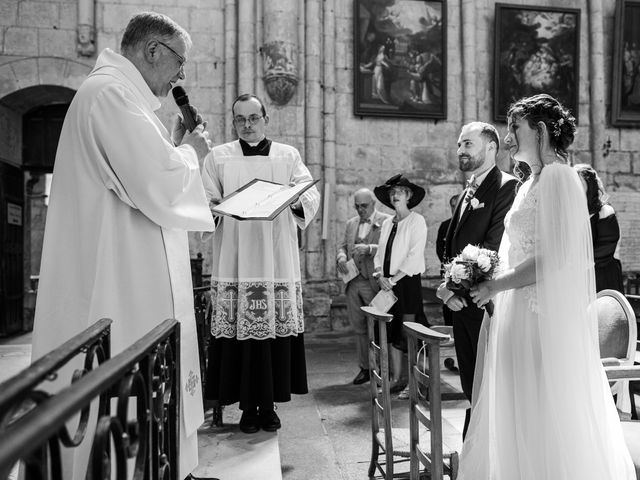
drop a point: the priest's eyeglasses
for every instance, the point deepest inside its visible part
(180, 58)
(252, 119)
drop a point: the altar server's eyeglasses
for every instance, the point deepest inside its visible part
(253, 119)
(180, 58)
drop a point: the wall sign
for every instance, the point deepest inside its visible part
(14, 214)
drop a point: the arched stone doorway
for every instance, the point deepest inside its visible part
(30, 123)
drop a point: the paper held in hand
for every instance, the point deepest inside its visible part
(352, 272)
(261, 199)
(383, 301)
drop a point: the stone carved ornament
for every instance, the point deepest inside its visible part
(280, 72)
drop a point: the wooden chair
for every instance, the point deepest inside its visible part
(431, 454)
(393, 443)
(634, 386)
(630, 428)
(617, 332)
(448, 350)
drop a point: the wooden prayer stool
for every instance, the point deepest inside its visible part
(428, 453)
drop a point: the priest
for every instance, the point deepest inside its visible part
(256, 355)
(124, 195)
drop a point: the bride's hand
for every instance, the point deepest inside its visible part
(482, 293)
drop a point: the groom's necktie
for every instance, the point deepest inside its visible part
(469, 192)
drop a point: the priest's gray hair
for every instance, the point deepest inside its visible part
(147, 25)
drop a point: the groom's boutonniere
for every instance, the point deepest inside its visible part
(475, 203)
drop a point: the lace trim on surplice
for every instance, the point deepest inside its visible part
(256, 310)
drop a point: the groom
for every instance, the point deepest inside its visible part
(478, 219)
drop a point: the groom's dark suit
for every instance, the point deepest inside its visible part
(482, 226)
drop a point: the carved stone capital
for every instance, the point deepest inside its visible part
(86, 44)
(281, 87)
(280, 72)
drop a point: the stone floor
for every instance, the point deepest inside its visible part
(325, 434)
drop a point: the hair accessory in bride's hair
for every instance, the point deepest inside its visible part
(557, 128)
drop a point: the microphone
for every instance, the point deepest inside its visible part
(180, 96)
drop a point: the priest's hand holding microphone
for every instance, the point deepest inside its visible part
(190, 129)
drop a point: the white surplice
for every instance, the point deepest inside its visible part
(256, 285)
(115, 245)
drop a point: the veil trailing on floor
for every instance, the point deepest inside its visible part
(577, 408)
(567, 425)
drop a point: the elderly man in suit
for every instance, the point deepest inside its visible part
(361, 244)
(478, 219)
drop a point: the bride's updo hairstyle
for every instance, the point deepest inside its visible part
(544, 108)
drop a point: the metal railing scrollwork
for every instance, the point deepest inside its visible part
(137, 397)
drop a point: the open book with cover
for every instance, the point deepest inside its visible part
(261, 199)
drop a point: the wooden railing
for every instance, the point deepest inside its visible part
(140, 384)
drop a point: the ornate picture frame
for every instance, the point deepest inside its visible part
(625, 78)
(400, 58)
(536, 51)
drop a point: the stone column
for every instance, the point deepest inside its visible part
(329, 130)
(230, 65)
(258, 84)
(86, 39)
(246, 46)
(280, 50)
(314, 130)
(469, 48)
(596, 85)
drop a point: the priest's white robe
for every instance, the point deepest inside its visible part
(255, 280)
(115, 245)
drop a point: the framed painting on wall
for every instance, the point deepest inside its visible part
(536, 51)
(400, 58)
(625, 81)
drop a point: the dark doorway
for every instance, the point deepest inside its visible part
(35, 115)
(11, 248)
(42, 125)
(23, 209)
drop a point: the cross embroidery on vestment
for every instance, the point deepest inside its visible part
(281, 301)
(229, 298)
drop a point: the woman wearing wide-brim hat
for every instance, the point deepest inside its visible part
(399, 262)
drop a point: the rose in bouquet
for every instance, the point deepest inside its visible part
(473, 266)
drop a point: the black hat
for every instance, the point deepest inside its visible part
(382, 191)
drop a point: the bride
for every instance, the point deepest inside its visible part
(544, 409)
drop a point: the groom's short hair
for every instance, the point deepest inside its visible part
(487, 131)
(490, 134)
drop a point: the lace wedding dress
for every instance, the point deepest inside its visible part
(542, 408)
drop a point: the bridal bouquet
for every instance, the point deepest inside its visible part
(471, 267)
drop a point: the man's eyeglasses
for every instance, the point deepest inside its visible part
(180, 58)
(362, 205)
(252, 119)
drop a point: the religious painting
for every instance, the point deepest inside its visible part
(625, 83)
(400, 58)
(536, 51)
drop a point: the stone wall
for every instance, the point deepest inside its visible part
(10, 135)
(38, 47)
